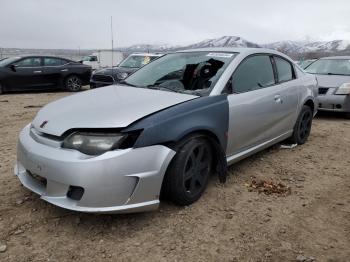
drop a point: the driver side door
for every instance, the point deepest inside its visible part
(255, 105)
(27, 74)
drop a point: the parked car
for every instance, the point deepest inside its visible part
(305, 63)
(103, 59)
(109, 76)
(333, 75)
(42, 72)
(165, 129)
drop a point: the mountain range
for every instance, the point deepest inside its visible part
(292, 48)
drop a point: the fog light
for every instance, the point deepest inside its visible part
(75, 192)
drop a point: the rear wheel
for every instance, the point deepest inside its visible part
(73, 83)
(1, 89)
(188, 174)
(347, 115)
(302, 127)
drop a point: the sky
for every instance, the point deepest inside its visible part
(85, 24)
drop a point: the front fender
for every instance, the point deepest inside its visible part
(171, 124)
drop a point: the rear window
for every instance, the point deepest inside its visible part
(284, 69)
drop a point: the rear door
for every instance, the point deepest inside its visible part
(256, 104)
(53, 69)
(27, 74)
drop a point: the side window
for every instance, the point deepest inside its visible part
(29, 62)
(284, 69)
(51, 61)
(253, 73)
(93, 58)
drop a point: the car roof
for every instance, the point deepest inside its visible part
(146, 54)
(336, 57)
(50, 56)
(241, 50)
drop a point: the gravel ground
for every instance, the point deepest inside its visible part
(229, 223)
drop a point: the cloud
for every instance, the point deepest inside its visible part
(86, 23)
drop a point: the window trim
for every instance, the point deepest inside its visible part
(290, 63)
(232, 92)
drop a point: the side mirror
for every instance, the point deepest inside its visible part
(13, 67)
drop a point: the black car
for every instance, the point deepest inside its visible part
(42, 72)
(109, 76)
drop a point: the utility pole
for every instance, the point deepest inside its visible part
(112, 39)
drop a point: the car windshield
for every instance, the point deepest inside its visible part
(8, 61)
(189, 72)
(330, 67)
(137, 61)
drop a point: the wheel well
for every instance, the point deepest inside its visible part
(310, 104)
(219, 160)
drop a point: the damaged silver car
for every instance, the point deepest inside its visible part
(164, 130)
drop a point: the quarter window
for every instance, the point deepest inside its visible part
(253, 73)
(284, 69)
(29, 62)
(51, 61)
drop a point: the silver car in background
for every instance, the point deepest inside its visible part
(165, 129)
(333, 76)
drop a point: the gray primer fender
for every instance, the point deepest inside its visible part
(208, 114)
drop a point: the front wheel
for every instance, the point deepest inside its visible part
(188, 174)
(73, 83)
(302, 127)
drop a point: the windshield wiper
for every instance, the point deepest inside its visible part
(334, 74)
(158, 87)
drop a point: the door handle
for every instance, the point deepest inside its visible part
(64, 70)
(278, 99)
(37, 72)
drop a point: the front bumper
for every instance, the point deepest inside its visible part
(120, 181)
(336, 103)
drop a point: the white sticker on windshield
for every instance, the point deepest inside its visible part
(224, 55)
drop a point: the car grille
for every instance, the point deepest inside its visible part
(103, 78)
(322, 90)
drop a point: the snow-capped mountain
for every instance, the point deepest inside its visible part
(224, 41)
(293, 48)
(307, 47)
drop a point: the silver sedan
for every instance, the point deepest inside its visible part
(333, 75)
(164, 130)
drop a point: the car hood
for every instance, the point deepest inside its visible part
(332, 80)
(108, 107)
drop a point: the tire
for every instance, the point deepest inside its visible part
(1, 89)
(73, 83)
(188, 173)
(347, 115)
(302, 126)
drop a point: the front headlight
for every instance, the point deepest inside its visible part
(93, 143)
(122, 76)
(344, 89)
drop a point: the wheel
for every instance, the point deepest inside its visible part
(188, 174)
(302, 127)
(1, 89)
(73, 83)
(347, 115)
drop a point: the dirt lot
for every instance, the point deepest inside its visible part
(229, 223)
